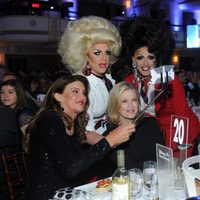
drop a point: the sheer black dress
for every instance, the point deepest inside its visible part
(56, 160)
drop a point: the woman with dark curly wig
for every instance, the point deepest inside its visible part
(56, 157)
(148, 43)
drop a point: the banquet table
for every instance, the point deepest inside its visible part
(94, 195)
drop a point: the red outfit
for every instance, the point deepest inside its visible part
(174, 104)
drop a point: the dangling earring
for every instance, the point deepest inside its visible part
(133, 65)
(134, 69)
(86, 71)
(62, 109)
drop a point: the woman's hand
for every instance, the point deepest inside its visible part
(121, 134)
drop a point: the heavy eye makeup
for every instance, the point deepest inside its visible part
(98, 52)
(150, 57)
(108, 52)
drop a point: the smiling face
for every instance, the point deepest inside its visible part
(128, 106)
(8, 96)
(73, 98)
(98, 58)
(144, 61)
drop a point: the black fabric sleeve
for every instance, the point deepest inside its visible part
(142, 144)
(69, 160)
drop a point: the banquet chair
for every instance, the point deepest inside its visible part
(14, 167)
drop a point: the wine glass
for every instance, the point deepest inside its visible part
(149, 177)
(136, 183)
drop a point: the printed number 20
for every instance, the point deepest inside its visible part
(179, 132)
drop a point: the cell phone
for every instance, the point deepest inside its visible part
(162, 74)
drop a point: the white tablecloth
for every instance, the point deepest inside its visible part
(90, 188)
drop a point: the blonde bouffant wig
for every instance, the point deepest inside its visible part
(81, 35)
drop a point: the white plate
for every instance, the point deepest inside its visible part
(94, 195)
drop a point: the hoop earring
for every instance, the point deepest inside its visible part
(86, 71)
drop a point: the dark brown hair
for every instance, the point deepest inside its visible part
(21, 97)
(50, 103)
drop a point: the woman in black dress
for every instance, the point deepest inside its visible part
(56, 157)
(122, 110)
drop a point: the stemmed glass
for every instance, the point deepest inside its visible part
(136, 183)
(149, 177)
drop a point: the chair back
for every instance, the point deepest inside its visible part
(14, 167)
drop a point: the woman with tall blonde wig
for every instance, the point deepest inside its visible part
(88, 47)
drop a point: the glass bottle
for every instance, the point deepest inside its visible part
(121, 179)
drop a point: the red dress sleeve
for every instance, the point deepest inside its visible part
(129, 78)
(176, 104)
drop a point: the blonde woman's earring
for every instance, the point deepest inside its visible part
(86, 71)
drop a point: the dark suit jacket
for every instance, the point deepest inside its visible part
(9, 132)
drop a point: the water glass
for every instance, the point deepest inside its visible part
(177, 174)
(136, 183)
(150, 178)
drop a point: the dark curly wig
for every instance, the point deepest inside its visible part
(139, 32)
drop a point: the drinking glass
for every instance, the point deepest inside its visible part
(177, 174)
(149, 177)
(136, 183)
